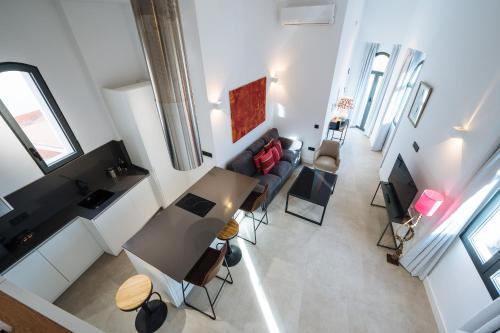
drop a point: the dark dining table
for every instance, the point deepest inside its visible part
(175, 239)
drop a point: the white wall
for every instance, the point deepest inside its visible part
(347, 45)
(454, 289)
(242, 41)
(236, 48)
(306, 57)
(34, 32)
(108, 41)
(461, 47)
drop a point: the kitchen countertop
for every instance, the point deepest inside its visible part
(49, 226)
(175, 239)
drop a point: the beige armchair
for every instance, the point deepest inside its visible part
(327, 156)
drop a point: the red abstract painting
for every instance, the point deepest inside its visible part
(248, 107)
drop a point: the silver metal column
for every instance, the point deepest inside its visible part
(160, 31)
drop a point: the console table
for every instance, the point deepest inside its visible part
(338, 126)
(394, 212)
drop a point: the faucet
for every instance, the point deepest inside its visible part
(83, 186)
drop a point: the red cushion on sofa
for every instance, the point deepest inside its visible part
(277, 145)
(269, 145)
(266, 162)
(256, 160)
(276, 154)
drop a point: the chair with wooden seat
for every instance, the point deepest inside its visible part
(253, 202)
(233, 253)
(204, 271)
(134, 294)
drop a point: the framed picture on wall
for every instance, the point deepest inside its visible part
(418, 105)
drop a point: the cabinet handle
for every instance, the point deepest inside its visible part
(5, 328)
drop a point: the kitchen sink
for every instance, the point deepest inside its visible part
(95, 199)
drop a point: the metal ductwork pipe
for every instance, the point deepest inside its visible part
(160, 31)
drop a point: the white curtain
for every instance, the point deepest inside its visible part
(370, 52)
(423, 256)
(375, 117)
(396, 103)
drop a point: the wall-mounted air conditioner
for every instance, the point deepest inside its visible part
(322, 14)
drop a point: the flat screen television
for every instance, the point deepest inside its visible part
(402, 184)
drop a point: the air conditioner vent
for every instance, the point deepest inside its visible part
(322, 14)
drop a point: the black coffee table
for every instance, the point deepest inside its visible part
(314, 186)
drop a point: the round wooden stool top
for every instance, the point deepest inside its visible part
(133, 292)
(230, 230)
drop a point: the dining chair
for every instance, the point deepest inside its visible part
(252, 203)
(204, 271)
(327, 157)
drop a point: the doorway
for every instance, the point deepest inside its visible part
(373, 82)
(372, 87)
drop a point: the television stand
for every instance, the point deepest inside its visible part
(393, 209)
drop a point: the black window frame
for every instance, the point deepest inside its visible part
(490, 267)
(382, 53)
(56, 111)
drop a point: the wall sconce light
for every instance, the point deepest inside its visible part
(274, 78)
(217, 105)
(458, 131)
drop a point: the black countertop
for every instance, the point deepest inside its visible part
(48, 227)
(45, 206)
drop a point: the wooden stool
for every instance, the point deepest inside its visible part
(134, 294)
(233, 254)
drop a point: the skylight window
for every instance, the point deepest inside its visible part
(30, 110)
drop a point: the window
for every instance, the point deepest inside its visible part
(30, 110)
(407, 79)
(404, 91)
(482, 241)
(380, 62)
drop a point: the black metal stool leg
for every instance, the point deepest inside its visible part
(267, 219)
(233, 255)
(151, 315)
(264, 216)
(210, 301)
(254, 231)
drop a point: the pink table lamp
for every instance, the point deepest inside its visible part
(426, 205)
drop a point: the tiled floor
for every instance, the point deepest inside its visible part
(299, 278)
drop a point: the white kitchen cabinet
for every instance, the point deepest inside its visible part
(115, 224)
(72, 250)
(37, 275)
(50, 269)
(134, 113)
(144, 201)
(127, 215)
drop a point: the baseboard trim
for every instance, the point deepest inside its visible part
(435, 309)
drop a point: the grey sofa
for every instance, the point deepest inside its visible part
(243, 163)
